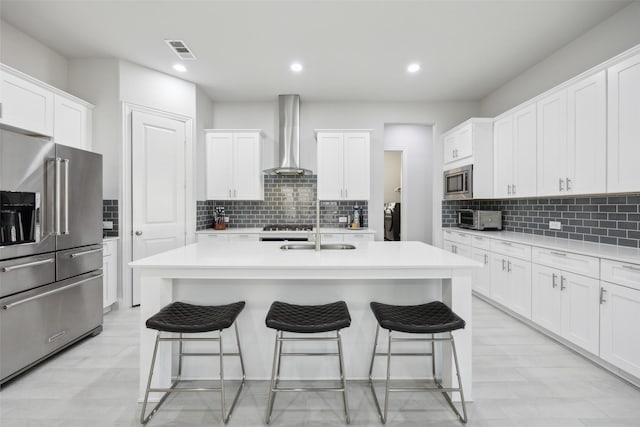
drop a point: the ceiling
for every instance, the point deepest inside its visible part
(351, 50)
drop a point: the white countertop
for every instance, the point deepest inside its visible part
(109, 239)
(368, 257)
(613, 252)
(256, 230)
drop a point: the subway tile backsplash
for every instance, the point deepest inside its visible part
(610, 219)
(110, 213)
(287, 200)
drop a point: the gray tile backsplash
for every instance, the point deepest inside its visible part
(110, 213)
(287, 200)
(610, 219)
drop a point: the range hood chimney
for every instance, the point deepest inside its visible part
(288, 137)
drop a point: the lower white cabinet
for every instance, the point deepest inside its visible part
(244, 237)
(619, 320)
(511, 283)
(110, 273)
(481, 279)
(567, 305)
(457, 248)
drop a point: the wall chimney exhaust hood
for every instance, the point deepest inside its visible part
(288, 137)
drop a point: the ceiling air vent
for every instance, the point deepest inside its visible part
(181, 49)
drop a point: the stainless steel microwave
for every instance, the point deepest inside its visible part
(458, 183)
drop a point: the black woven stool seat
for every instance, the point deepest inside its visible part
(190, 318)
(430, 318)
(308, 318)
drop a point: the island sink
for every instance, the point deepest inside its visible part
(338, 246)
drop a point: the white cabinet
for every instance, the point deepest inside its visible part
(567, 305)
(457, 248)
(110, 273)
(72, 123)
(481, 279)
(619, 320)
(511, 283)
(25, 104)
(234, 165)
(572, 139)
(515, 154)
(343, 165)
(472, 143)
(353, 238)
(458, 144)
(623, 126)
(205, 237)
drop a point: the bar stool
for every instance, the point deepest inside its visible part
(306, 319)
(182, 318)
(431, 318)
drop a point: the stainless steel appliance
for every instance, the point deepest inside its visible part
(480, 220)
(458, 183)
(50, 249)
(392, 221)
(286, 233)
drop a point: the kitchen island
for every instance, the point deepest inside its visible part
(260, 273)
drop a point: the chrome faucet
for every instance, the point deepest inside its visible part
(317, 224)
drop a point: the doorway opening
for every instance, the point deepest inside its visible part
(392, 195)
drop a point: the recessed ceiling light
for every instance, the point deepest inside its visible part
(180, 68)
(413, 68)
(296, 67)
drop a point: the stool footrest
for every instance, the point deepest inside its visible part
(405, 354)
(310, 354)
(308, 389)
(209, 354)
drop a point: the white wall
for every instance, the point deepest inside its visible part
(353, 115)
(98, 81)
(392, 174)
(418, 202)
(204, 120)
(614, 35)
(24, 53)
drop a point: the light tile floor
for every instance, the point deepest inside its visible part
(521, 378)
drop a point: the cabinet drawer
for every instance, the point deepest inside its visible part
(360, 237)
(622, 273)
(457, 236)
(579, 264)
(77, 261)
(213, 237)
(515, 250)
(107, 248)
(481, 242)
(330, 238)
(244, 237)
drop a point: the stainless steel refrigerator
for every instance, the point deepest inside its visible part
(50, 249)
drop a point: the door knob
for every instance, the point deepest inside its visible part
(138, 233)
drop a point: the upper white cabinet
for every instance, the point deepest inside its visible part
(624, 126)
(572, 138)
(343, 165)
(472, 143)
(72, 123)
(234, 165)
(515, 153)
(34, 106)
(25, 105)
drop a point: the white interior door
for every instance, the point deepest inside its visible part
(158, 186)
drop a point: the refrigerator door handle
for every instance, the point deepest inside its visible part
(65, 204)
(56, 195)
(55, 291)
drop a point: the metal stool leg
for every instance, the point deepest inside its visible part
(222, 402)
(143, 419)
(463, 416)
(276, 368)
(343, 379)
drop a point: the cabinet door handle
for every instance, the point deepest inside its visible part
(554, 276)
(568, 184)
(455, 249)
(513, 189)
(602, 295)
(508, 266)
(486, 259)
(558, 253)
(562, 286)
(229, 193)
(507, 243)
(504, 264)
(235, 193)
(509, 189)
(560, 184)
(346, 193)
(630, 267)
